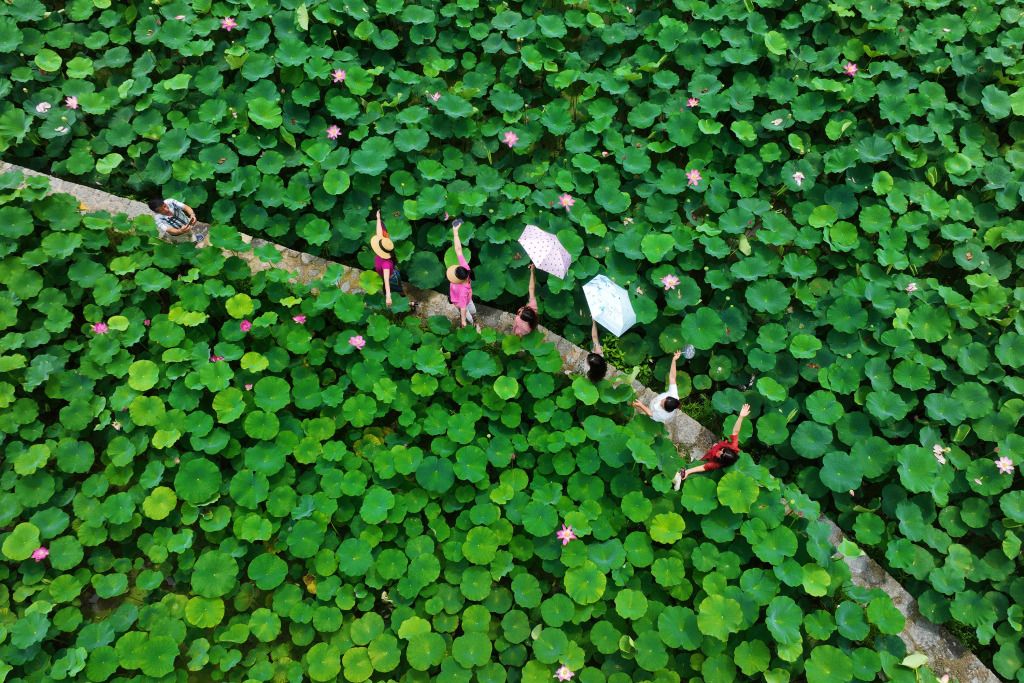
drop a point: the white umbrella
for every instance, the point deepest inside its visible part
(546, 252)
(610, 305)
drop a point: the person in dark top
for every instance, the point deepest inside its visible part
(722, 454)
(597, 366)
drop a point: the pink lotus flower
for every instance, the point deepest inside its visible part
(938, 451)
(43, 107)
(62, 129)
(627, 221)
(339, 75)
(850, 69)
(977, 481)
(234, 114)
(630, 9)
(670, 282)
(511, 139)
(177, 460)
(693, 177)
(912, 287)
(566, 201)
(100, 328)
(228, 23)
(147, 322)
(245, 325)
(180, 17)
(357, 341)
(71, 102)
(333, 132)
(248, 387)
(692, 102)
(1005, 465)
(436, 96)
(799, 178)
(566, 535)
(299, 319)
(564, 674)
(40, 553)
(214, 359)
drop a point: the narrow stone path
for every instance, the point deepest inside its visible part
(946, 655)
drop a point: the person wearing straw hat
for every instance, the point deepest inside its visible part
(460, 291)
(384, 261)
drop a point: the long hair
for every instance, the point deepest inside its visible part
(529, 316)
(598, 367)
(727, 456)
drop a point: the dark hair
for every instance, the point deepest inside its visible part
(462, 273)
(529, 316)
(155, 203)
(727, 456)
(671, 403)
(598, 367)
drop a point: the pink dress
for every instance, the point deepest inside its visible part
(519, 326)
(461, 295)
(379, 264)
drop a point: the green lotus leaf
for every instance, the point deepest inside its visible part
(718, 616)
(738, 491)
(214, 574)
(425, 650)
(21, 542)
(784, 617)
(197, 481)
(267, 571)
(204, 612)
(160, 503)
(585, 584)
(828, 663)
(472, 650)
(323, 662)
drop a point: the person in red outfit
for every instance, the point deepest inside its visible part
(722, 454)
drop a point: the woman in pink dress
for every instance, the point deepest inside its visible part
(526, 317)
(384, 261)
(460, 291)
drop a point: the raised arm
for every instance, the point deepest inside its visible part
(458, 242)
(672, 372)
(744, 411)
(593, 335)
(533, 290)
(380, 227)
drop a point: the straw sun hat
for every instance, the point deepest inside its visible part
(452, 278)
(382, 246)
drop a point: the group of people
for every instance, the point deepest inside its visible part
(176, 221)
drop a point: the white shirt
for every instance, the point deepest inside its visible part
(659, 413)
(177, 220)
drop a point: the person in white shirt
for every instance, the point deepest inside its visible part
(664, 404)
(174, 220)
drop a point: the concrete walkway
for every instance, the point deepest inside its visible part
(946, 655)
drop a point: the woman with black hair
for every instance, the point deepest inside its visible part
(722, 454)
(664, 404)
(597, 366)
(526, 317)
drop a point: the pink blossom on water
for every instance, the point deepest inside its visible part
(234, 114)
(40, 553)
(228, 23)
(357, 341)
(670, 282)
(43, 107)
(180, 17)
(977, 481)
(799, 178)
(566, 201)
(850, 69)
(912, 287)
(511, 139)
(564, 673)
(245, 326)
(333, 132)
(693, 177)
(436, 96)
(939, 452)
(248, 387)
(692, 102)
(299, 319)
(339, 75)
(62, 129)
(100, 328)
(147, 322)
(177, 460)
(71, 102)
(1005, 465)
(566, 534)
(630, 9)
(214, 359)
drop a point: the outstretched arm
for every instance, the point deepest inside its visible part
(593, 335)
(672, 372)
(694, 470)
(458, 242)
(744, 411)
(380, 225)
(642, 408)
(533, 290)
